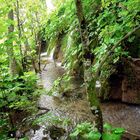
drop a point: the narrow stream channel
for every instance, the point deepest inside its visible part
(77, 110)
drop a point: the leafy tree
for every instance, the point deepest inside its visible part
(90, 84)
(105, 31)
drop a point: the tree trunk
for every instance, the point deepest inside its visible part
(87, 61)
(38, 45)
(27, 48)
(15, 69)
(20, 35)
(38, 42)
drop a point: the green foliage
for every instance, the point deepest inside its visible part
(60, 85)
(59, 21)
(16, 93)
(86, 131)
(73, 51)
(51, 119)
(111, 133)
(114, 21)
(107, 22)
(63, 19)
(110, 23)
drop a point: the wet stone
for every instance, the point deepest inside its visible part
(45, 138)
(55, 132)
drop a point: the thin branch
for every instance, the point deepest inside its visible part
(127, 132)
(113, 48)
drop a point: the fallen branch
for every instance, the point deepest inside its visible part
(43, 108)
(40, 114)
(127, 132)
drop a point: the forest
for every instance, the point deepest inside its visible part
(69, 69)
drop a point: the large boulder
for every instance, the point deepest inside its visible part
(124, 84)
(131, 82)
(115, 84)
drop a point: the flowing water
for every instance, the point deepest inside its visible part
(77, 109)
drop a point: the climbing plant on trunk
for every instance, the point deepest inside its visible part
(17, 11)
(87, 61)
(13, 64)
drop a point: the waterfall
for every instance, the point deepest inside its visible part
(51, 54)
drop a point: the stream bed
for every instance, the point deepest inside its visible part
(77, 109)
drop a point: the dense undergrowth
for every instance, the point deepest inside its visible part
(18, 97)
